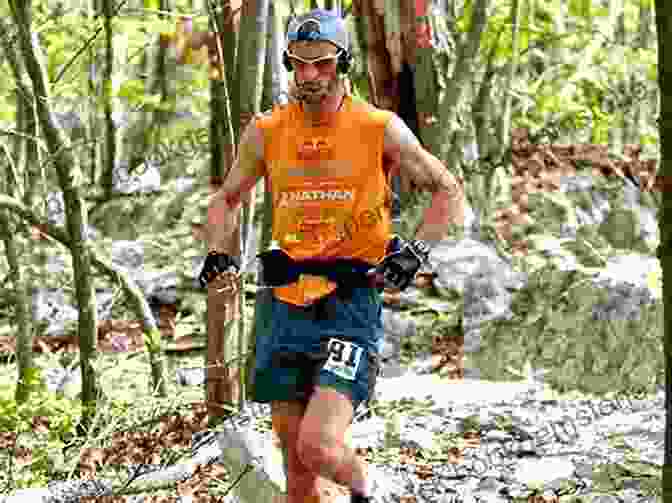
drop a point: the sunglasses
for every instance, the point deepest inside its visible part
(322, 63)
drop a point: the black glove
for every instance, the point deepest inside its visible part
(216, 263)
(398, 268)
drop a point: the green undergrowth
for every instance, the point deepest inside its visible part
(126, 404)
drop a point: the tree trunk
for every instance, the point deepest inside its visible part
(15, 248)
(505, 124)
(558, 53)
(110, 132)
(276, 79)
(485, 126)
(92, 124)
(70, 179)
(231, 36)
(25, 163)
(279, 92)
(251, 58)
(485, 193)
(664, 25)
(221, 388)
(643, 105)
(616, 133)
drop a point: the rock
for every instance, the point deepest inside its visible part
(184, 183)
(56, 214)
(531, 453)
(70, 121)
(51, 307)
(128, 254)
(60, 380)
(190, 376)
(145, 179)
(159, 287)
(28, 496)
(474, 271)
(72, 491)
(397, 328)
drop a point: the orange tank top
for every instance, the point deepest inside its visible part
(331, 196)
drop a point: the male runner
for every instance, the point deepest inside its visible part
(328, 161)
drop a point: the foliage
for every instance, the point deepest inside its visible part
(25, 423)
(555, 327)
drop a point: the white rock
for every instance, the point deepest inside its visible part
(37, 495)
(543, 470)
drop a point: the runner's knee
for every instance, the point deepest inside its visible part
(314, 453)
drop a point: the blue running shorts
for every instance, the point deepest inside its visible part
(296, 352)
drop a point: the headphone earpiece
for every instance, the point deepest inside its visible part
(285, 61)
(344, 62)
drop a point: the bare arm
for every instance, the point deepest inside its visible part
(446, 211)
(224, 205)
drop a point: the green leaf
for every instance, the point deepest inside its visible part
(464, 23)
(652, 72)
(579, 8)
(152, 340)
(132, 89)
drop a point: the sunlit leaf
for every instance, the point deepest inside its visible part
(132, 89)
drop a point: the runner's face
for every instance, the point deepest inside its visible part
(318, 79)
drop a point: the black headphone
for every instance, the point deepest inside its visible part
(342, 65)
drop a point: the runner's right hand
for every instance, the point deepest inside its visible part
(216, 264)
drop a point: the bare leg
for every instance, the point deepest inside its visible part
(302, 483)
(321, 443)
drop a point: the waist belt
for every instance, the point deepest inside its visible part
(348, 274)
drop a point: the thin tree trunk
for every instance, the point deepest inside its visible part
(642, 106)
(277, 94)
(147, 128)
(26, 163)
(617, 132)
(485, 197)
(92, 124)
(221, 390)
(276, 78)
(527, 72)
(505, 121)
(437, 134)
(664, 25)
(231, 36)
(558, 53)
(484, 132)
(15, 248)
(251, 58)
(110, 132)
(70, 179)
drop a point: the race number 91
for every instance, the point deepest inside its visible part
(344, 358)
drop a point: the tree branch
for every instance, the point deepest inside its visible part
(115, 274)
(86, 45)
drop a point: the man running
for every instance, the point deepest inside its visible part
(328, 161)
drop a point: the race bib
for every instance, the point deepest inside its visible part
(344, 358)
